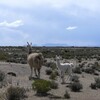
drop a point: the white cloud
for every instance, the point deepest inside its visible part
(9, 36)
(54, 3)
(69, 7)
(14, 24)
(71, 28)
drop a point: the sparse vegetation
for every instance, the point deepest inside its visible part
(89, 70)
(96, 66)
(66, 95)
(2, 79)
(88, 59)
(93, 86)
(41, 87)
(2, 76)
(3, 55)
(96, 84)
(79, 53)
(51, 65)
(15, 93)
(53, 76)
(48, 72)
(76, 86)
(75, 78)
(77, 70)
(54, 85)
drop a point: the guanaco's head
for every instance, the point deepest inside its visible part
(29, 47)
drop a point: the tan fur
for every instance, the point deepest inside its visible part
(35, 60)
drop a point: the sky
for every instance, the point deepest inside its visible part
(43, 22)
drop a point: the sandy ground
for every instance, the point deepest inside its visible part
(22, 71)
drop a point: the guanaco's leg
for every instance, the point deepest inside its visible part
(31, 73)
(35, 72)
(39, 73)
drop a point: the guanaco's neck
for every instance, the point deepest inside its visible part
(58, 63)
(29, 50)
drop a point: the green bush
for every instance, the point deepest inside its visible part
(41, 86)
(56, 72)
(76, 86)
(96, 73)
(93, 85)
(2, 76)
(23, 62)
(97, 81)
(75, 78)
(77, 70)
(48, 72)
(3, 55)
(51, 65)
(53, 76)
(89, 70)
(54, 85)
(96, 84)
(15, 93)
(66, 95)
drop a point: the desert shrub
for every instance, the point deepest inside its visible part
(56, 72)
(93, 85)
(98, 58)
(76, 86)
(97, 81)
(3, 81)
(48, 71)
(77, 70)
(15, 93)
(96, 66)
(75, 78)
(54, 85)
(23, 62)
(12, 60)
(45, 62)
(89, 70)
(3, 56)
(66, 95)
(81, 65)
(41, 86)
(96, 84)
(96, 63)
(2, 76)
(96, 73)
(53, 76)
(51, 65)
(80, 60)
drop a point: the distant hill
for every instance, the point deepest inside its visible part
(54, 44)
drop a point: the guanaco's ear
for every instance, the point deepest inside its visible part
(28, 43)
(31, 43)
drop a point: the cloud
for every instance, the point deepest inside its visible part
(45, 18)
(71, 28)
(74, 8)
(59, 4)
(14, 24)
(9, 36)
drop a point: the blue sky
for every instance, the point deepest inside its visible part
(70, 22)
